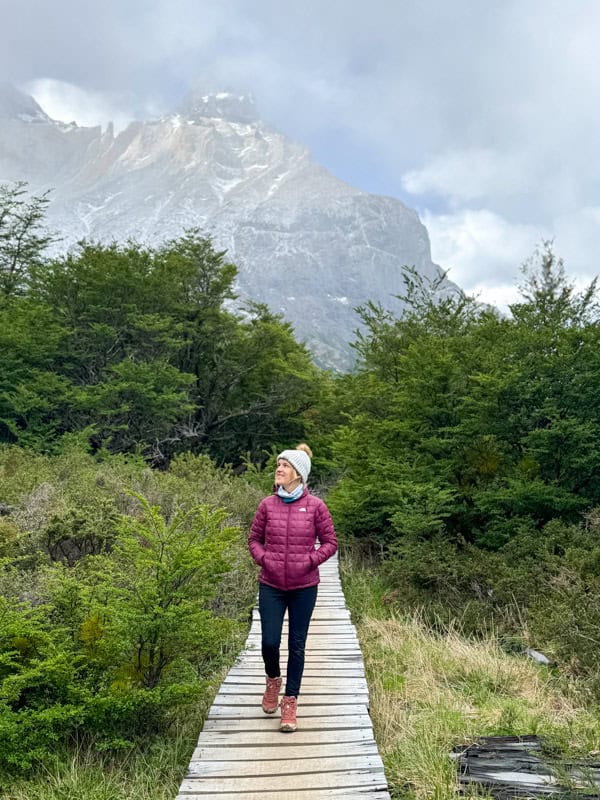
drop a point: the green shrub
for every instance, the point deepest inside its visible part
(115, 609)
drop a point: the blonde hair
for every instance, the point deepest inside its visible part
(303, 446)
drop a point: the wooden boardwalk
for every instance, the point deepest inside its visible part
(242, 755)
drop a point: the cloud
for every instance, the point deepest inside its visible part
(68, 103)
(485, 113)
(577, 241)
(482, 252)
(471, 174)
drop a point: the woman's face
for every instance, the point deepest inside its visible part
(286, 475)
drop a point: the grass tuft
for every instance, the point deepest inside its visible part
(152, 774)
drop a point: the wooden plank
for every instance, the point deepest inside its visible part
(271, 722)
(246, 695)
(331, 672)
(258, 672)
(337, 672)
(324, 616)
(279, 783)
(309, 686)
(265, 754)
(350, 793)
(333, 643)
(329, 683)
(315, 620)
(253, 674)
(325, 663)
(332, 604)
(305, 711)
(324, 628)
(255, 650)
(254, 737)
(331, 615)
(254, 656)
(327, 660)
(328, 646)
(306, 699)
(284, 767)
(313, 632)
(314, 635)
(317, 626)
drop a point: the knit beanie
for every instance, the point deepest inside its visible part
(300, 461)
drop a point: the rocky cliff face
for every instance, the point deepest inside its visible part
(307, 244)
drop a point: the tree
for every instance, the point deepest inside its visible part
(164, 573)
(495, 417)
(35, 399)
(23, 237)
(159, 359)
(548, 298)
(253, 384)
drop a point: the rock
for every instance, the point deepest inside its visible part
(539, 658)
(309, 245)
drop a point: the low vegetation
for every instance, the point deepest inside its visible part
(436, 688)
(125, 593)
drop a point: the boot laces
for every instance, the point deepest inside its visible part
(288, 705)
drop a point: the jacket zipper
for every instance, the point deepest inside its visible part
(287, 536)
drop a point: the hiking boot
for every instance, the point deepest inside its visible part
(270, 699)
(288, 714)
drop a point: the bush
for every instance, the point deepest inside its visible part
(541, 589)
(116, 610)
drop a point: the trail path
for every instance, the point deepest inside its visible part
(241, 754)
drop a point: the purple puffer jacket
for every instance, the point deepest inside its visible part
(282, 540)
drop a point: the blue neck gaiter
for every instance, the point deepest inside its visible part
(289, 497)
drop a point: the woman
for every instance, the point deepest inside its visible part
(282, 542)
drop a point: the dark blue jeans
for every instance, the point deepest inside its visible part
(272, 604)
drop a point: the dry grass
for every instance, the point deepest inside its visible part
(431, 692)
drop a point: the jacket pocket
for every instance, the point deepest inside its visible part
(307, 564)
(270, 567)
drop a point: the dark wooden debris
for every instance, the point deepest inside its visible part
(507, 767)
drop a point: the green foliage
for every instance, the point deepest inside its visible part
(34, 398)
(465, 423)
(22, 237)
(136, 402)
(138, 349)
(115, 609)
(39, 693)
(541, 589)
(166, 571)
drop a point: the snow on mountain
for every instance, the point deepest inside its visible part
(306, 243)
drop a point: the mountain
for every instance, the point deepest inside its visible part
(309, 245)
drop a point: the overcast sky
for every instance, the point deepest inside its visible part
(484, 116)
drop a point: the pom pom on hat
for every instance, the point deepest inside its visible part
(299, 459)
